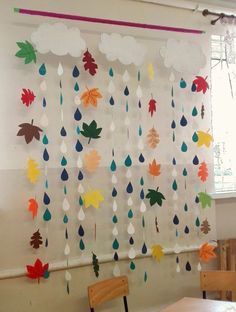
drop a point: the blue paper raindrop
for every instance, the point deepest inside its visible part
(44, 102)
(195, 160)
(186, 230)
(174, 161)
(80, 176)
(77, 115)
(194, 87)
(114, 192)
(173, 125)
(126, 91)
(176, 220)
(64, 175)
(75, 72)
(78, 146)
(46, 199)
(129, 188)
(144, 249)
(63, 132)
(142, 195)
(81, 231)
(183, 121)
(141, 158)
(45, 155)
(188, 267)
(131, 240)
(111, 101)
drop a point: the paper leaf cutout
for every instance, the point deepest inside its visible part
(206, 252)
(152, 106)
(203, 171)
(89, 63)
(153, 138)
(91, 131)
(93, 198)
(36, 240)
(32, 171)
(91, 160)
(95, 265)
(90, 97)
(157, 252)
(151, 72)
(26, 52)
(204, 138)
(155, 197)
(204, 199)
(27, 97)
(205, 227)
(201, 84)
(33, 207)
(154, 168)
(38, 270)
(29, 131)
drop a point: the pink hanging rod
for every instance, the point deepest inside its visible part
(107, 21)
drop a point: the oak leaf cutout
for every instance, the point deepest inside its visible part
(153, 138)
(206, 252)
(89, 63)
(36, 240)
(91, 160)
(90, 97)
(29, 131)
(205, 227)
(203, 171)
(154, 168)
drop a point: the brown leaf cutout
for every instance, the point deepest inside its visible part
(153, 138)
(91, 160)
(205, 227)
(36, 240)
(29, 131)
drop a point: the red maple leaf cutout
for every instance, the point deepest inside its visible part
(37, 271)
(89, 63)
(203, 171)
(27, 97)
(152, 106)
(201, 84)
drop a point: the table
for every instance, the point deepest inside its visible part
(201, 305)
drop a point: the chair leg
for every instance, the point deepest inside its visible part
(204, 294)
(125, 304)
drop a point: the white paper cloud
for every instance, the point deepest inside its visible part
(125, 49)
(183, 56)
(58, 39)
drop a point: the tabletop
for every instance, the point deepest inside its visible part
(204, 305)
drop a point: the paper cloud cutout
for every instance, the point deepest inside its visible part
(58, 39)
(183, 56)
(125, 49)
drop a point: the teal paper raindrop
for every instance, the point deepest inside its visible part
(44, 103)
(182, 83)
(176, 233)
(195, 160)
(183, 121)
(81, 244)
(78, 130)
(144, 249)
(173, 125)
(128, 161)
(81, 201)
(64, 175)
(185, 173)
(46, 199)
(126, 91)
(61, 99)
(63, 161)
(113, 166)
(45, 139)
(174, 185)
(130, 214)
(114, 219)
(47, 215)
(141, 158)
(142, 181)
(195, 137)
(186, 230)
(142, 195)
(65, 190)
(132, 266)
(114, 192)
(129, 188)
(184, 147)
(65, 219)
(46, 184)
(60, 84)
(46, 274)
(111, 73)
(172, 103)
(63, 132)
(185, 207)
(115, 244)
(45, 155)
(75, 72)
(194, 112)
(176, 220)
(80, 176)
(77, 115)
(194, 87)
(78, 146)
(188, 267)
(42, 70)
(140, 131)
(76, 87)
(127, 107)
(145, 278)
(81, 231)
(174, 161)
(197, 222)
(143, 222)
(131, 241)
(111, 101)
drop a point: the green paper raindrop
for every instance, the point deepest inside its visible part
(140, 131)
(145, 277)
(185, 173)
(185, 207)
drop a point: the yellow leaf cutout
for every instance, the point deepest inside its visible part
(90, 97)
(93, 198)
(151, 72)
(157, 252)
(204, 138)
(91, 160)
(32, 171)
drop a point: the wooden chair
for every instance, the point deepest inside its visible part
(107, 290)
(218, 281)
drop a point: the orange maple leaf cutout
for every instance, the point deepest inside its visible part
(206, 252)
(33, 207)
(154, 168)
(91, 160)
(90, 97)
(203, 171)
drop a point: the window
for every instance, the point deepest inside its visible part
(223, 78)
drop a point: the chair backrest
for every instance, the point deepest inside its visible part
(217, 281)
(107, 290)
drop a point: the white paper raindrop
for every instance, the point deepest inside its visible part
(44, 120)
(81, 215)
(175, 207)
(114, 206)
(67, 276)
(172, 77)
(63, 147)
(65, 204)
(199, 267)
(114, 179)
(67, 250)
(127, 146)
(112, 126)
(43, 86)
(143, 207)
(139, 92)
(130, 229)
(174, 173)
(177, 268)
(80, 188)
(77, 100)
(175, 196)
(126, 77)
(130, 201)
(140, 144)
(115, 231)
(132, 253)
(111, 87)
(116, 270)
(177, 248)
(79, 162)
(127, 121)
(60, 70)
(128, 174)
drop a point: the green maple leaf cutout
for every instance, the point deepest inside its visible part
(204, 199)
(95, 264)
(91, 131)
(155, 197)
(26, 51)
